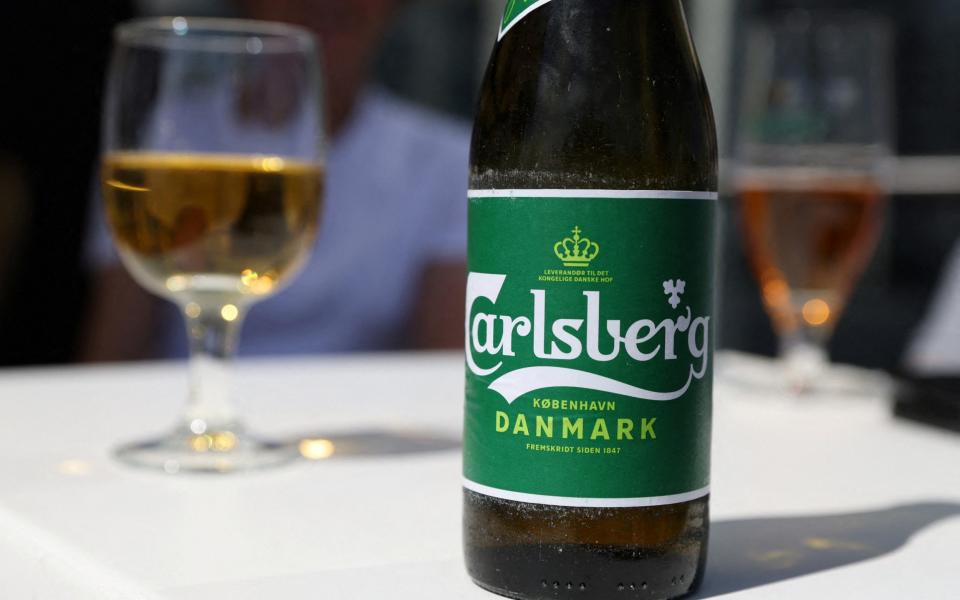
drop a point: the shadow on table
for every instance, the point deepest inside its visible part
(374, 443)
(748, 553)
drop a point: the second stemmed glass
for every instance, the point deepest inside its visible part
(212, 179)
(813, 146)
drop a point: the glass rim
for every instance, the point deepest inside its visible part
(215, 34)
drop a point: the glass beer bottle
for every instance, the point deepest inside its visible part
(589, 327)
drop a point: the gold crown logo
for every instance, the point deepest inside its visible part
(576, 251)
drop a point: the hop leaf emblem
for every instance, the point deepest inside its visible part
(674, 288)
(576, 251)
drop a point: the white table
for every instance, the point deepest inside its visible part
(76, 525)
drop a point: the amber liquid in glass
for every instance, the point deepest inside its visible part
(809, 237)
(209, 227)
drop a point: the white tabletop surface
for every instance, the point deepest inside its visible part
(812, 498)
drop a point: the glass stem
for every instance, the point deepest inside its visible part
(213, 342)
(805, 358)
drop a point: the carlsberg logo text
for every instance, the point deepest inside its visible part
(567, 339)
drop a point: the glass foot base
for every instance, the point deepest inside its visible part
(766, 377)
(212, 452)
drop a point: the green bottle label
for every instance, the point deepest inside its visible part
(516, 10)
(589, 346)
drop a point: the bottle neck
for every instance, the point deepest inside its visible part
(587, 93)
(517, 11)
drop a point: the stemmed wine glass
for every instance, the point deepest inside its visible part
(813, 146)
(212, 175)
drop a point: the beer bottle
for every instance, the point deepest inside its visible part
(589, 326)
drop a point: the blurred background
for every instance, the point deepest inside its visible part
(433, 56)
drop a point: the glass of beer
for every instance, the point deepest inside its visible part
(212, 175)
(813, 155)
